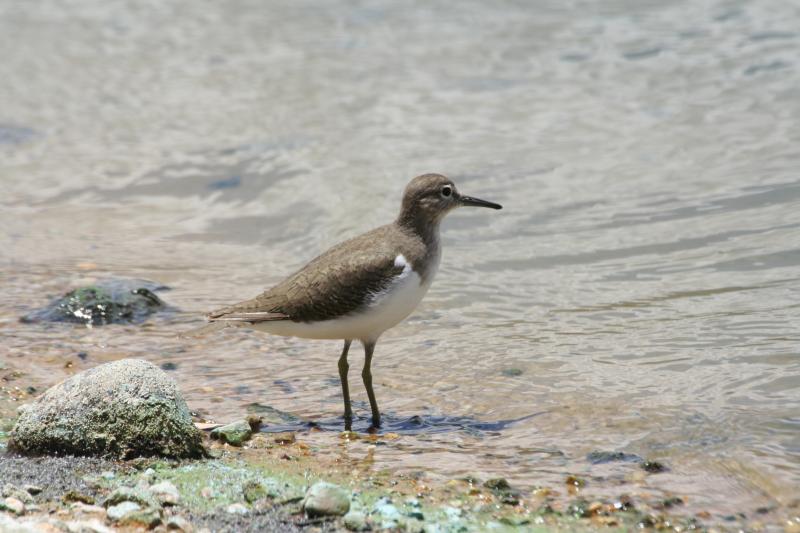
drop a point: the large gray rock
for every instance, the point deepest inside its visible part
(124, 409)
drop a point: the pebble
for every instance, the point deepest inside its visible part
(389, 515)
(237, 508)
(286, 437)
(324, 499)
(82, 508)
(75, 496)
(87, 526)
(178, 523)
(127, 494)
(452, 513)
(166, 493)
(499, 484)
(148, 518)
(356, 521)
(8, 524)
(117, 512)
(253, 491)
(13, 505)
(10, 490)
(654, 467)
(33, 490)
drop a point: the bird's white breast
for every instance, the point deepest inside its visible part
(384, 310)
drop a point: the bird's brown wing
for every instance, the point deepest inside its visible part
(337, 283)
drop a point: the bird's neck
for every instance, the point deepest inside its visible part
(422, 227)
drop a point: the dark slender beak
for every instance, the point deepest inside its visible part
(477, 202)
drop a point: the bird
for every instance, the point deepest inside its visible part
(362, 287)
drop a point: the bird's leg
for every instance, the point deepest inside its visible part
(366, 374)
(343, 368)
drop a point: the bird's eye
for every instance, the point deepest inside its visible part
(447, 191)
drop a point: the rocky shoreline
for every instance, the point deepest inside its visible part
(235, 477)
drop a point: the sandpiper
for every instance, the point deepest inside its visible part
(361, 287)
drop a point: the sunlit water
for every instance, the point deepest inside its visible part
(639, 291)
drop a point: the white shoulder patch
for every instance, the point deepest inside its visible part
(401, 261)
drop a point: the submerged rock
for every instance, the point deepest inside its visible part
(600, 457)
(108, 302)
(654, 467)
(324, 499)
(125, 409)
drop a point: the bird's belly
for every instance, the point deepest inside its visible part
(385, 310)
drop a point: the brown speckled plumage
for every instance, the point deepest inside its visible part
(342, 279)
(338, 282)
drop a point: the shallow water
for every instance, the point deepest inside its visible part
(643, 276)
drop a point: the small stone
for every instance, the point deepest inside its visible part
(600, 457)
(116, 512)
(285, 437)
(87, 526)
(575, 481)
(237, 508)
(498, 484)
(75, 496)
(107, 474)
(348, 435)
(82, 508)
(178, 523)
(509, 498)
(127, 494)
(13, 505)
(387, 512)
(356, 521)
(654, 467)
(452, 513)
(33, 490)
(324, 499)
(254, 491)
(235, 433)
(148, 518)
(255, 422)
(624, 503)
(10, 490)
(166, 493)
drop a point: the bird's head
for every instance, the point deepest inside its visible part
(429, 197)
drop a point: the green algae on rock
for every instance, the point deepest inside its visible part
(108, 302)
(235, 433)
(125, 409)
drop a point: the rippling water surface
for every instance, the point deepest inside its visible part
(639, 292)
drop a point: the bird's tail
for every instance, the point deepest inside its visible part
(211, 327)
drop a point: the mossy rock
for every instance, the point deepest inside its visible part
(108, 302)
(125, 409)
